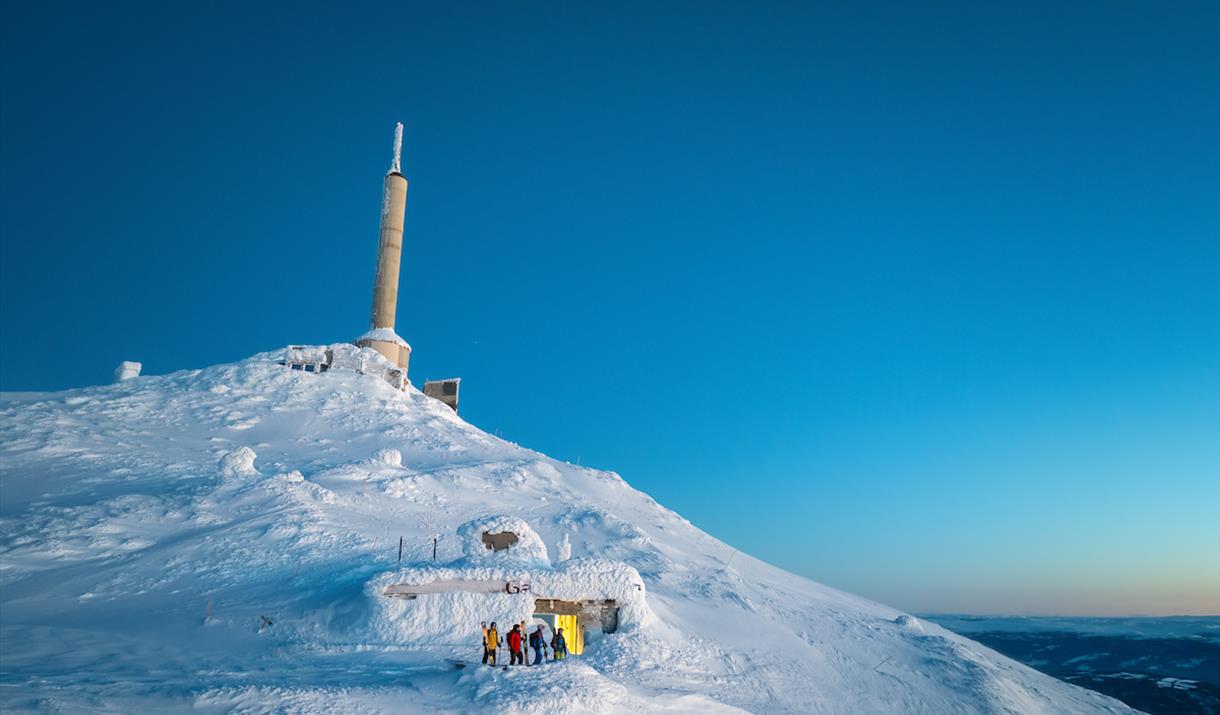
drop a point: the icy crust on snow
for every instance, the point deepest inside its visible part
(222, 538)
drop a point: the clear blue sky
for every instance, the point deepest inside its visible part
(920, 302)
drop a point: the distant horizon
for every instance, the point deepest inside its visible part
(1075, 615)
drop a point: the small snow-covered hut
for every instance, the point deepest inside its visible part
(505, 575)
(444, 390)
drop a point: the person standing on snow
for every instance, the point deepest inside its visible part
(516, 654)
(559, 647)
(491, 641)
(538, 643)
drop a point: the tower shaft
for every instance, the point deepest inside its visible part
(381, 336)
(389, 252)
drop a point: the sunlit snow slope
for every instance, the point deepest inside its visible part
(148, 526)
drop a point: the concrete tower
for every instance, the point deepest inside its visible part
(381, 336)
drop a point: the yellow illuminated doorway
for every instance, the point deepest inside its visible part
(573, 634)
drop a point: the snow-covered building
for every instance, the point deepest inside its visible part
(308, 358)
(444, 390)
(505, 575)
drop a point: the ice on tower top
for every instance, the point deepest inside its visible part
(396, 165)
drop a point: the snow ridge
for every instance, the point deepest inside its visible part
(221, 539)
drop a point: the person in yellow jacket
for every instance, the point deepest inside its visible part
(491, 641)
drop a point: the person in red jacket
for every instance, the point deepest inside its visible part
(517, 653)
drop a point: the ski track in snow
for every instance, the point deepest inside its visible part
(148, 526)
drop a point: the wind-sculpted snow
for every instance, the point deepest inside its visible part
(220, 540)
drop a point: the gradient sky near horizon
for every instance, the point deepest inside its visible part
(919, 300)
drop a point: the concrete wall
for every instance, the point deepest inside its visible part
(444, 390)
(396, 353)
(389, 254)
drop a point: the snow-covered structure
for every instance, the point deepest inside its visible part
(308, 358)
(445, 390)
(502, 540)
(505, 576)
(127, 370)
(222, 540)
(381, 336)
(366, 361)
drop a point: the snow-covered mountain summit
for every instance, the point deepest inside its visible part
(222, 540)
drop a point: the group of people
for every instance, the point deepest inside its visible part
(516, 641)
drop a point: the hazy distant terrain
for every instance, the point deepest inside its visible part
(1159, 665)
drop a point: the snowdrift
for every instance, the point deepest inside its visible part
(220, 540)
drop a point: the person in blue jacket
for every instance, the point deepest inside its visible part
(538, 643)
